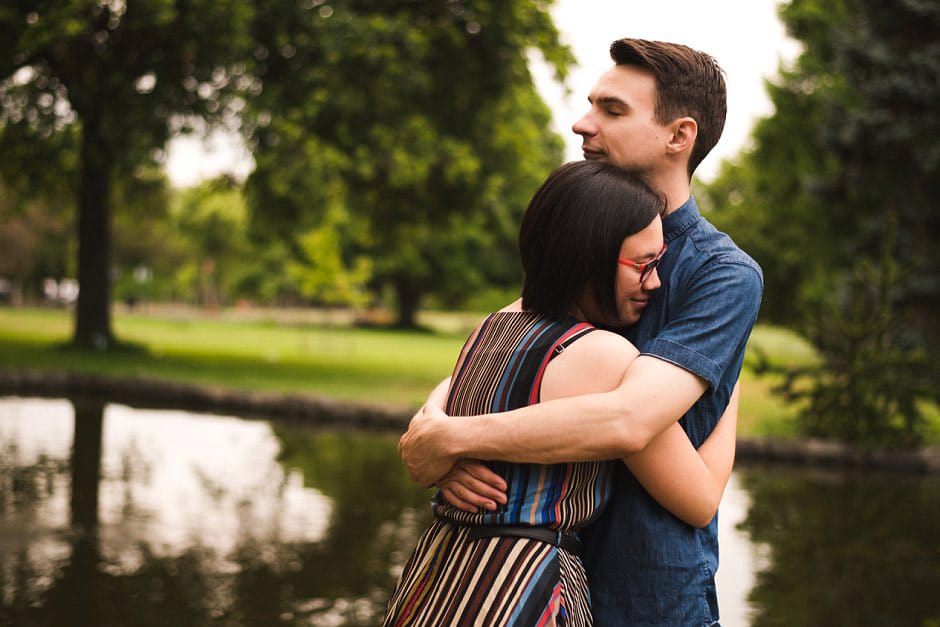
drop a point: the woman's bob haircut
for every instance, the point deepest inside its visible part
(572, 232)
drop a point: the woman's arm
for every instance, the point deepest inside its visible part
(687, 482)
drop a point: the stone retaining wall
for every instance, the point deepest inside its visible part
(838, 454)
(158, 394)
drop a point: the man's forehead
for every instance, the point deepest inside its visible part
(623, 83)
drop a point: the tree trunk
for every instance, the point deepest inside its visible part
(78, 593)
(408, 300)
(86, 462)
(93, 311)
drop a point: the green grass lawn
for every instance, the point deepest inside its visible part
(340, 361)
(333, 359)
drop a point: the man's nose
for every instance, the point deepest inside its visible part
(585, 125)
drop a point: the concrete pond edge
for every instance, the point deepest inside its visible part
(314, 410)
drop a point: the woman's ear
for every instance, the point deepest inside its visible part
(684, 132)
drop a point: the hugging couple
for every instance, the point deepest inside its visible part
(583, 442)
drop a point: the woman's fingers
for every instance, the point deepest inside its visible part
(477, 477)
(464, 488)
(455, 500)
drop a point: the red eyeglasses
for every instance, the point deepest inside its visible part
(646, 268)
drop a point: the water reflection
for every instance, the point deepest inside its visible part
(119, 516)
(845, 549)
(176, 518)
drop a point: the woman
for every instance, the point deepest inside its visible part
(590, 242)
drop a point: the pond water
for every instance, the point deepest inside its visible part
(155, 517)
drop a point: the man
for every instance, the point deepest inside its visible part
(658, 111)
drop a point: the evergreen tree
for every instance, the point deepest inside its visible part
(836, 201)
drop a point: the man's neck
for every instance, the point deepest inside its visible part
(675, 185)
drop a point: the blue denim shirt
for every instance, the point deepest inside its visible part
(645, 566)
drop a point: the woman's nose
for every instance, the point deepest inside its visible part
(652, 282)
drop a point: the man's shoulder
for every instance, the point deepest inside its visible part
(711, 247)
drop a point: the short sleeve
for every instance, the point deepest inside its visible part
(709, 326)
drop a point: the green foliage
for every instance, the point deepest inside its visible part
(425, 116)
(869, 537)
(836, 203)
(101, 85)
(34, 240)
(211, 219)
(147, 248)
(322, 275)
(405, 132)
(866, 390)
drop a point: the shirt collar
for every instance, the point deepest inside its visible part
(681, 220)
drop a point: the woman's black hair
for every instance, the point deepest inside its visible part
(572, 233)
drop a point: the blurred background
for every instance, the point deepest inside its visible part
(314, 200)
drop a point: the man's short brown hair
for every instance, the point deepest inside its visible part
(688, 83)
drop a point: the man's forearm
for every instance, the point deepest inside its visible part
(438, 396)
(609, 425)
(582, 428)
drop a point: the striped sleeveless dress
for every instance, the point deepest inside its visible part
(451, 579)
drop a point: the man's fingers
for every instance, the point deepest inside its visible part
(422, 451)
(420, 478)
(426, 475)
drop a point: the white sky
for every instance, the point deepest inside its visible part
(746, 38)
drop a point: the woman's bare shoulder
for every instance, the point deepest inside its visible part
(595, 362)
(601, 340)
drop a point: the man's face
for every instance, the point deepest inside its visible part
(620, 127)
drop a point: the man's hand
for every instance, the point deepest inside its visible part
(471, 486)
(423, 447)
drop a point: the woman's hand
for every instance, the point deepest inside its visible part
(471, 486)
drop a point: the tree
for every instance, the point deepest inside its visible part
(147, 247)
(211, 221)
(120, 77)
(36, 203)
(419, 122)
(322, 274)
(839, 195)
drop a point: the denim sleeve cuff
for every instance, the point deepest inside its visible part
(679, 355)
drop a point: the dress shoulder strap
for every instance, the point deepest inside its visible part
(574, 332)
(570, 337)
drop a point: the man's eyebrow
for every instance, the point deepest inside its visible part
(602, 100)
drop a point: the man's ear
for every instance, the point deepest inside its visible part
(684, 132)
